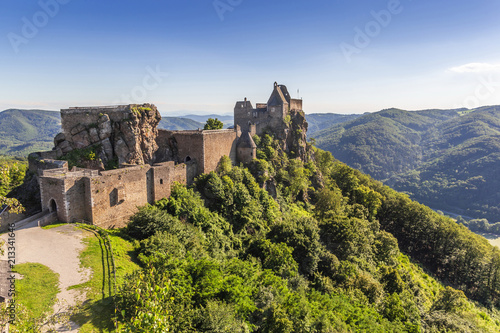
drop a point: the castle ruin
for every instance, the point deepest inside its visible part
(149, 159)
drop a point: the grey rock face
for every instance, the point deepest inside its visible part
(130, 138)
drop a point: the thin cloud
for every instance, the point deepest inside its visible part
(476, 67)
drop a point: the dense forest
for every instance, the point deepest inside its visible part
(443, 158)
(312, 245)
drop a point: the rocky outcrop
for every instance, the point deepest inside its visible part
(296, 139)
(292, 134)
(130, 139)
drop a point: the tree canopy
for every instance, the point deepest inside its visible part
(213, 124)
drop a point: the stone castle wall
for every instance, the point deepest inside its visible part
(205, 147)
(108, 198)
(116, 194)
(67, 191)
(244, 115)
(164, 175)
(217, 144)
(295, 104)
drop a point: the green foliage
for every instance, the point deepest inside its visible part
(443, 158)
(148, 221)
(138, 111)
(14, 205)
(187, 205)
(213, 124)
(302, 235)
(220, 317)
(451, 300)
(235, 195)
(12, 172)
(275, 256)
(77, 156)
(319, 252)
(151, 309)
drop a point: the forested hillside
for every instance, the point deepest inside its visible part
(443, 158)
(319, 121)
(304, 246)
(26, 131)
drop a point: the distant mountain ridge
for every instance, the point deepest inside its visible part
(320, 121)
(178, 124)
(447, 159)
(227, 120)
(26, 131)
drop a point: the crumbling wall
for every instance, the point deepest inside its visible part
(52, 189)
(75, 198)
(64, 191)
(116, 194)
(164, 175)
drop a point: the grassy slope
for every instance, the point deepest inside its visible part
(38, 288)
(95, 315)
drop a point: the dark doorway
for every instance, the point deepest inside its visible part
(52, 206)
(187, 159)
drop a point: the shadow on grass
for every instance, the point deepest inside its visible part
(98, 314)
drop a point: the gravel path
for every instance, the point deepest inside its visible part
(57, 248)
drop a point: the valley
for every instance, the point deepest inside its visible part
(444, 158)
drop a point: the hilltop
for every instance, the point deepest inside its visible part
(444, 158)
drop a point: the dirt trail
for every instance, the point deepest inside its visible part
(57, 248)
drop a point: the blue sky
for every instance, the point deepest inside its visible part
(195, 56)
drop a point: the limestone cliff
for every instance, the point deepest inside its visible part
(127, 137)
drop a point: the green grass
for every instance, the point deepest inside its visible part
(51, 226)
(38, 288)
(95, 314)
